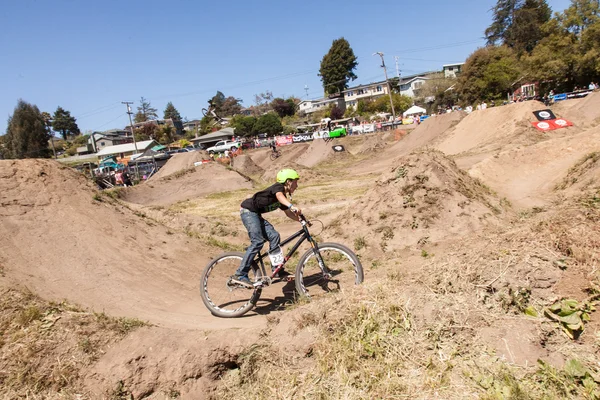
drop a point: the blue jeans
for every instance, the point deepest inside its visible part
(259, 230)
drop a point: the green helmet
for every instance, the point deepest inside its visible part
(285, 174)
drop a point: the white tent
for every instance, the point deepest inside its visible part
(414, 110)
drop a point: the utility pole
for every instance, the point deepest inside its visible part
(388, 86)
(127, 103)
(306, 90)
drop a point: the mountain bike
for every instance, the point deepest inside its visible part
(275, 154)
(211, 113)
(323, 269)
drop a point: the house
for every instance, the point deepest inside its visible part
(118, 132)
(126, 150)
(410, 85)
(213, 137)
(100, 140)
(452, 70)
(311, 106)
(192, 126)
(369, 92)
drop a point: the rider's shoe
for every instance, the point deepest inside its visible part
(241, 279)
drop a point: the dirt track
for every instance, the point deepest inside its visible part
(141, 255)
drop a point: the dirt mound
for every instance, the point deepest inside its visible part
(583, 175)
(581, 112)
(492, 129)
(64, 240)
(527, 176)
(373, 144)
(423, 198)
(187, 184)
(427, 131)
(246, 166)
(318, 151)
(180, 161)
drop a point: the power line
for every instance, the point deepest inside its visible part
(442, 46)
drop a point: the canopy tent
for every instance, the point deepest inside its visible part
(414, 110)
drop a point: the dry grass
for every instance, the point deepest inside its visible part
(45, 346)
(418, 334)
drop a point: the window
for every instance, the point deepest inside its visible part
(102, 144)
(379, 88)
(360, 91)
(350, 94)
(417, 85)
(450, 68)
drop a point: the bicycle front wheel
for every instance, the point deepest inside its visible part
(223, 297)
(273, 156)
(342, 270)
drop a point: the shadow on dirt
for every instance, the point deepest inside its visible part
(278, 303)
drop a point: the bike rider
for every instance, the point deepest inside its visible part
(259, 229)
(273, 147)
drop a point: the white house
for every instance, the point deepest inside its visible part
(127, 149)
(370, 91)
(311, 106)
(452, 70)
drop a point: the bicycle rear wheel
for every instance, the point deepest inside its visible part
(344, 268)
(221, 296)
(274, 156)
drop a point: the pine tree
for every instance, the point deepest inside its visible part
(145, 111)
(171, 112)
(337, 66)
(63, 122)
(518, 23)
(26, 134)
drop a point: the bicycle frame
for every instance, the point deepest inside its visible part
(303, 234)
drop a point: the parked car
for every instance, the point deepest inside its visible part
(224, 145)
(338, 132)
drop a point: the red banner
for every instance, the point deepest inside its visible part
(561, 123)
(551, 124)
(284, 140)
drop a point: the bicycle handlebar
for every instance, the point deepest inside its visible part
(303, 220)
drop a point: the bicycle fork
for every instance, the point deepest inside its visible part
(322, 266)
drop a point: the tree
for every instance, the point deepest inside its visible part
(518, 23)
(145, 111)
(568, 55)
(231, 106)
(244, 125)
(63, 122)
(171, 112)
(146, 132)
(336, 112)
(26, 134)
(283, 108)
(580, 15)
(262, 103)
(337, 67)
(269, 124)
(489, 73)
(217, 101)
(164, 134)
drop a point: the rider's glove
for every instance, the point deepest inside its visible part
(293, 208)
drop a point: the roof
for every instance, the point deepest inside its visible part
(126, 148)
(452, 65)
(220, 134)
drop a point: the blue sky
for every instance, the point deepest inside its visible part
(88, 56)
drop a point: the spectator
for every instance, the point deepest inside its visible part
(119, 178)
